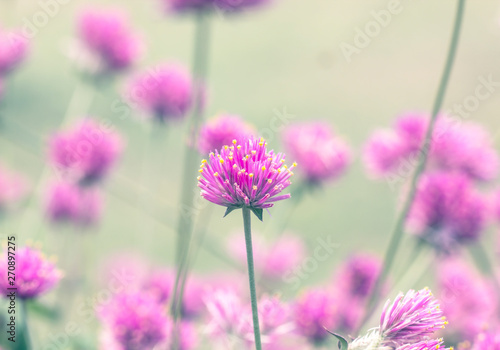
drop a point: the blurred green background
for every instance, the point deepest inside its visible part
(285, 57)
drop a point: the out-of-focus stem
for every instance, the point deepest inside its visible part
(247, 223)
(187, 209)
(23, 341)
(398, 230)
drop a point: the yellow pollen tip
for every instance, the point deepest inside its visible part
(238, 147)
(250, 175)
(270, 181)
(263, 168)
(294, 164)
(226, 147)
(255, 188)
(261, 143)
(216, 174)
(221, 161)
(234, 142)
(203, 161)
(201, 170)
(198, 178)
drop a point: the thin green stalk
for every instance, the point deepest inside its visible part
(187, 209)
(23, 342)
(247, 223)
(398, 230)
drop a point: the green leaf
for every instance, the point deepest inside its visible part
(257, 212)
(343, 344)
(229, 210)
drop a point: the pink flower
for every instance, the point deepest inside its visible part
(238, 5)
(69, 203)
(448, 210)
(13, 50)
(245, 175)
(322, 155)
(463, 147)
(87, 152)
(469, 301)
(358, 274)
(34, 273)
(221, 131)
(135, 320)
(165, 92)
(107, 35)
(13, 188)
(313, 312)
(188, 5)
(487, 341)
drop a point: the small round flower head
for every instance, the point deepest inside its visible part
(165, 93)
(225, 310)
(410, 318)
(35, 274)
(181, 6)
(358, 274)
(221, 131)
(469, 301)
(13, 50)
(487, 341)
(448, 210)
(86, 152)
(313, 312)
(461, 147)
(135, 320)
(13, 188)
(322, 155)
(69, 203)
(245, 175)
(107, 35)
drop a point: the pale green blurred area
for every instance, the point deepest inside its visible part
(285, 57)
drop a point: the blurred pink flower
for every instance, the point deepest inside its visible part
(221, 131)
(462, 147)
(69, 203)
(135, 320)
(321, 155)
(357, 275)
(107, 35)
(469, 301)
(164, 92)
(314, 311)
(273, 259)
(34, 273)
(86, 152)
(238, 5)
(13, 50)
(13, 187)
(487, 341)
(448, 210)
(188, 5)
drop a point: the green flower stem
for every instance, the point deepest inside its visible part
(187, 209)
(23, 341)
(247, 223)
(398, 230)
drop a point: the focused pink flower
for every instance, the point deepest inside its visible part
(463, 147)
(86, 152)
(313, 312)
(34, 273)
(165, 93)
(13, 187)
(69, 203)
(13, 50)
(245, 175)
(135, 320)
(448, 210)
(468, 300)
(221, 131)
(322, 155)
(107, 35)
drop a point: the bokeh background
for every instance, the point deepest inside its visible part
(285, 58)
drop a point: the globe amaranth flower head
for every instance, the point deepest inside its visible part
(221, 131)
(463, 147)
(358, 274)
(322, 155)
(85, 153)
(108, 38)
(70, 203)
(448, 210)
(135, 320)
(245, 175)
(468, 299)
(314, 311)
(165, 92)
(13, 51)
(35, 274)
